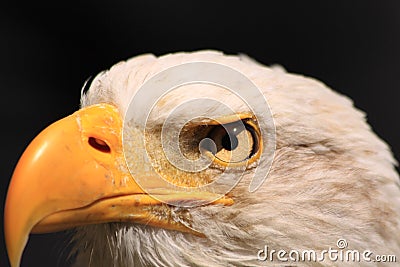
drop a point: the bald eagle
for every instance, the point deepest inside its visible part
(331, 178)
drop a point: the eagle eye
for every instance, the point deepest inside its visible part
(234, 142)
(229, 142)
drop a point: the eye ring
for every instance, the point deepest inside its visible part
(256, 134)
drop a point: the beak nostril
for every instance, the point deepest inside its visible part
(99, 144)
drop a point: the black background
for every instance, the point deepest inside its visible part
(48, 50)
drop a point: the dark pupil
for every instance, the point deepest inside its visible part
(229, 142)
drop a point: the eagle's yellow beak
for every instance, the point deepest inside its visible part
(74, 173)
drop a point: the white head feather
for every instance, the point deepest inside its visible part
(331, 178)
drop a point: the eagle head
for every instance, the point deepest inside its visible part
(159, 168)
